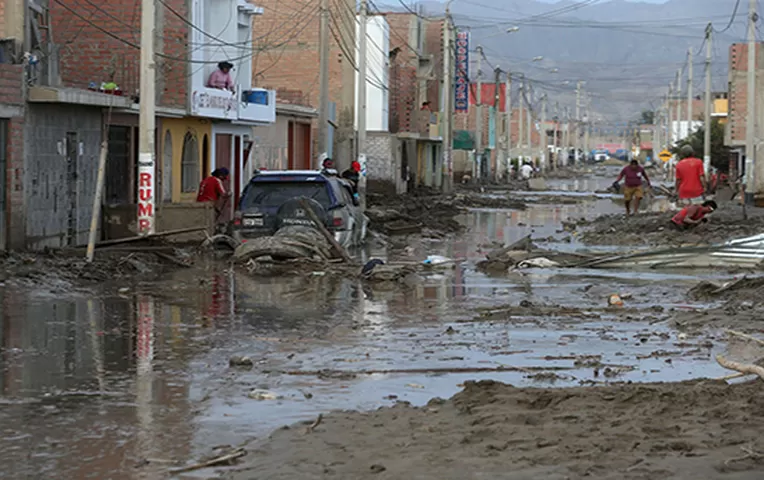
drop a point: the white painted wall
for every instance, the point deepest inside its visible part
(377, 77)
(680, 130)
(224, 32)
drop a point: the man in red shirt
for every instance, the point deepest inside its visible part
(633, 184)
(690, 177)
(211, 189)
(693, 215)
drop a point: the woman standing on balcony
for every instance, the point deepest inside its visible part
(221, 78)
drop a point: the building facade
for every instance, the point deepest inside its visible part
(69, 79)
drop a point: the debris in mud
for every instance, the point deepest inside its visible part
(240, 361)
(65, 269)
(428, 209)
(727, 223)
(615, 300)
(546, 377)
(259, 394)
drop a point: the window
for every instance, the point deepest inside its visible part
(189, 164)
(273, 194)
(167, 168)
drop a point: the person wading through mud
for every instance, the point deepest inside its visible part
(693, 215)
(212, 190)
(690, 177)
(633, 174)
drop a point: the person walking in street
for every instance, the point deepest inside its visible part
(693, 215)
(526, 171)
(212, 190)
(690, 177)
(633, 191)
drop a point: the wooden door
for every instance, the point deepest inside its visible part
(223, 159)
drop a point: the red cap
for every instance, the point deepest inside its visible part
(355, 166)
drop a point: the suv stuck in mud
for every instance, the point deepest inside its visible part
(274, 199)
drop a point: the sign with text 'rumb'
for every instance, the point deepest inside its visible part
(462, 77)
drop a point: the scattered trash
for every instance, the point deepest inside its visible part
(539, 262)
(414, 385)
(615, 300)
(376, 468)
(258, 394)
(240, 361)
(436, 260)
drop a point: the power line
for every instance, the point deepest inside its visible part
(732, 18)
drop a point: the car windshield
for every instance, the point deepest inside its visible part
(273, 194)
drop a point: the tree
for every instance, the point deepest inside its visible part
(719, 152)
(648, 117)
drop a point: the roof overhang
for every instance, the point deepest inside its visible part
(76, 96)
(296, 110)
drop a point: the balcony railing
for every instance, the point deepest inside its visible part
(255, 105)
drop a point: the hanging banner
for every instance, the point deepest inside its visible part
(462, 77)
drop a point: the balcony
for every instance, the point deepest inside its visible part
(256, 106)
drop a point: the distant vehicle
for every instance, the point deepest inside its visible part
(273, 199)
(600, 156)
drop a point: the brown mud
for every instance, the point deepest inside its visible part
(428, 210)
(727, 223)
(738, 304)
(688, 430)
(69, 269)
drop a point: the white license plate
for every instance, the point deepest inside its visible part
(253, 222)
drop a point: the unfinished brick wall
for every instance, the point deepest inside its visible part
(100, 45)
(738, 91)
(12, 95)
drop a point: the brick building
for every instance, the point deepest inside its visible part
(72, 88)
(735, 131)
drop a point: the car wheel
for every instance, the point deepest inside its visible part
(292, 212)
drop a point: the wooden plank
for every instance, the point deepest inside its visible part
(322, 228)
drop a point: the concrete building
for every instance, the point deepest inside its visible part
(735, 131)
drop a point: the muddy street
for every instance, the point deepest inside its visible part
(136, 378)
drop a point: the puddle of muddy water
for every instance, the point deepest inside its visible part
(94, 385)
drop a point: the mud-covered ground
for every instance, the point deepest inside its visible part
(66, 269)
(689, 430)
(429, 210)
(646, 228)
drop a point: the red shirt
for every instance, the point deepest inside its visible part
(632, 176)
(695, 212)
(210, 190)
(688, 174)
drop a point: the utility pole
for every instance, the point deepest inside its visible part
(669, 119)
(361, 102)
(707, 115)
(496, 122)
(544, 138)
(323, 107)
(529, 120)
(520, 120)
(578, 122)
(477, 166)
(689, 92)
(750, 124)
(587, 125)
(508, 117)
(566, 137)
(554, 133)
(147, 120)
(447, 115)
(679, 105)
